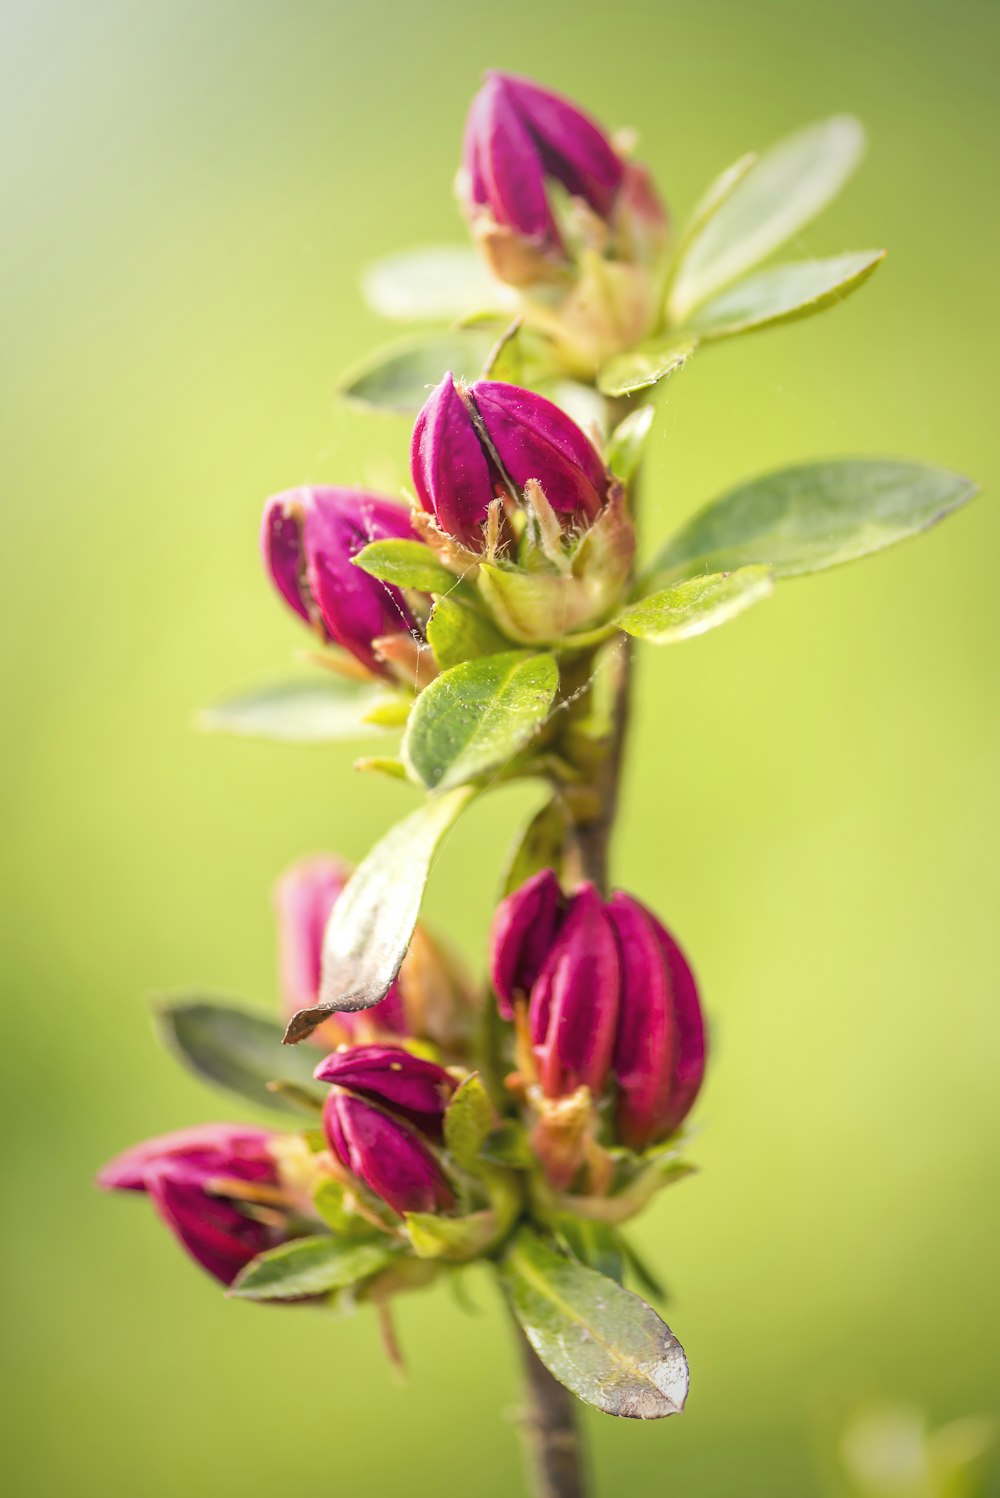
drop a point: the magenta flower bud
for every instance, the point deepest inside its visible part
(659, 1057)
(385, 1154)
(196, 1179)
(517, 137)
(304, 896)
(524, 929)
(473, 445)
(574, 1001)
(308, 539)
(417, 1089)
(453, 474)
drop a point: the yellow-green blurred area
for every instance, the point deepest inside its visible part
(190, 193)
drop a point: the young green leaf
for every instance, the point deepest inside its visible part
(456, 632)
(468, 1121)
(691, 608)
(814, 516)
(645, 366)
(311, 1266)
(539, 845)
(238, 1051)
(782, 192)
(400, 377)
(627, 441)
(785, 293)
(405, 564)
(474, 718)
(372, 922)
(312, 711)
(456, 1238)
(431, 283)
(605, 1344)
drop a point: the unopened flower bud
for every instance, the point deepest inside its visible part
(308, 539)
(567, 968)
(472, 445)
(214, 1186)
(417, 1089)
(524, 928)
(519, 138)
(386, 1154)
(659, 1057)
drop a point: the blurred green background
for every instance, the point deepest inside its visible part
(191, 191)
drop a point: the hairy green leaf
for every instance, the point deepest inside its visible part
(697, 605)
(319, 710)
(474, 718)
(311, 1266)
(817, 515)
(645, 366)
(457, 632)
(372, 922)
(781, 192)
(605, 1344)
(431, 283)
(401, 376)
(405, 564)
(785, 293)
(238, 1051)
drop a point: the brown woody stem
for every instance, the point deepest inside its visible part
(551, 1431)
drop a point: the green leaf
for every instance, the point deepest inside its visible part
(476, 717)
(785, 293)
(318, 710)
(456, 1238)
(401, 376)
(627, 441)
(595, 1244)
(381, 764)
(782, 192)
(468, 1121)
(329, 1199)
(390, 711)
(405, 564)
(539, 845)
(430, 283)
(702, 603)
(605, 1344)
(814, 516)
(310, 1266)
(372, 922)
(238, 1051)
(645, 366)
(457, 632)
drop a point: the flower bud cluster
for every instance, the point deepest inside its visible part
(608, 1000)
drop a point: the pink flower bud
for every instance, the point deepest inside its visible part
(471, 445)
(385, 1154)
(524, 929)
(659, 1057)
(202, 1182)
(304, 896)
(517, 136)
(308, 539)
(409, 1085)
(574, 1001)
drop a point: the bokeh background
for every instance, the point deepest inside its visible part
(190, 193)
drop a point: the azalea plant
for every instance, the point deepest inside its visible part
(521, 1119)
